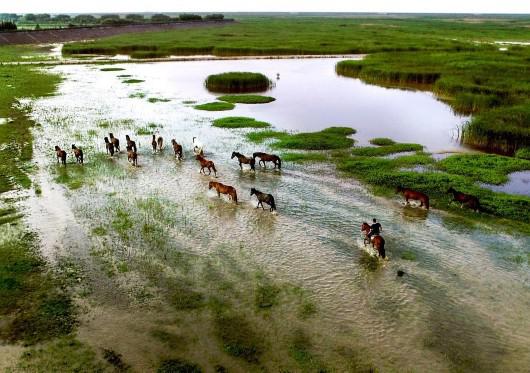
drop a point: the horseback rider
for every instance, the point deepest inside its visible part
(375, 229)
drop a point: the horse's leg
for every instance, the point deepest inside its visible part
(218, 193)
(240, 166)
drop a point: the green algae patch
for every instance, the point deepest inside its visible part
(215, 106)
(239, 122)
(246, 99)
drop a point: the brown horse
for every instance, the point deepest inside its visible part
(78, 153)
(61, 155)
(264, 157)
(132, 156)
(115, 142)
(160, 143)
(378, 242)
(131, 143)
(225, 189)
(263, 197)
(206, 164)
(414, 195)
(465, 199)
(109, 146)
(154, 144)
(246, 160)
(177, 148)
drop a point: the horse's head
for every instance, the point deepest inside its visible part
(73, 146)
(198, 157)
(111, 135)
(233, 155)
(57, 148)
(253, 191)
(173, 141)
(106, 139)
(210, 184)
(365, 227)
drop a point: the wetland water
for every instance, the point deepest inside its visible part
(462, 304)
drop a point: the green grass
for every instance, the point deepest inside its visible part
(408, 255)
(261, 136)
(133, 81)
(178, 366)
(246, 99)
(144, 131)
(485, 168)
(330, 138)
(239, 122)
(111, 69)
(238, 338)
(154, 100)
(311, 35)
(386, 150)
(62, 355)
(137, 95)
(305, 157)
(382, 141)
(523, 153)
(215, 106)
(237, 82)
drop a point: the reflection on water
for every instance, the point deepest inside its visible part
(462, 303)
(518, 183)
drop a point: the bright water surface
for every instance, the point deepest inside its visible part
(467, 295)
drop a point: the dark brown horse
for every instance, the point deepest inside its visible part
(414, 195)
(109, 146)
(115, 142)
(225, 189)
(206, 164)
(131, 143)
(160, 143)
(177, 148)
(61, 155)
(154, 144)
(132, 156)
(264, 157)
(78, 153)
(264, 197)
(246, 160)
(378, 242)
(465, 199)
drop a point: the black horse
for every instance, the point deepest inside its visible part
(264, 197)
(465, 199)
(242, 159)
(264, 157)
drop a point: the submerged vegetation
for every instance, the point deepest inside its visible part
(246, 99)
(237, 82)
(239, 122)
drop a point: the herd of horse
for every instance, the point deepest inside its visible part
(112, 145)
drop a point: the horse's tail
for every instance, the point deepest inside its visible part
(81, 156)
(254, 155)
(273, 204)
(382, 248)
(213, 167)
(426, 203)
(279, 163)
(63, 156)
(234, 196)
(252, 164)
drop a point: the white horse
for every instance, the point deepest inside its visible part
(198, 147)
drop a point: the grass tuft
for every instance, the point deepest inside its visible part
(382, 141)
(246, 99)
(237, 82)
(239, 122)
(215, 106)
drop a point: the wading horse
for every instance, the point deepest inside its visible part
(206, 164)
(264, 157)
(132, 156)
(224, 189)
(246, 160)
(131, 143)
(377, 242)
(61, 155)
(154, 144)
(78, 153)
(465, 199)
(115, 142)
(109, 146)
(414, 195)
(177, 148)
(263, 197)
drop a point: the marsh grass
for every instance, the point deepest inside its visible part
(246, 99)
(408, 255)
(137, 95)
(178, 366)
(238, 337)
(215, 106)
(382, 141)
(485, 168)
(327, 139)
(154, 100)
(261, 136)
(237, 82)
(133, 81)
(369, 151)
(305, 157)
(239, 122)
(111, 69)
(523, 153)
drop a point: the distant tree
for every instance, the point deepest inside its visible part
(43, 18)
(85, 19)
(9, 17)
(30, 17)
(108, 16)
(116, 22)
(135, 17)
(190, 17)
(7, 26)
(214, 17)
(62, 18)
(160, 18)
(37, 27)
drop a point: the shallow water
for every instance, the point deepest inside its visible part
(518, 183)
(463, 303)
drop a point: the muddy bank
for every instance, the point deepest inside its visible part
(85, 33)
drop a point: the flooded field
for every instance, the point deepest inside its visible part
(164, 259)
